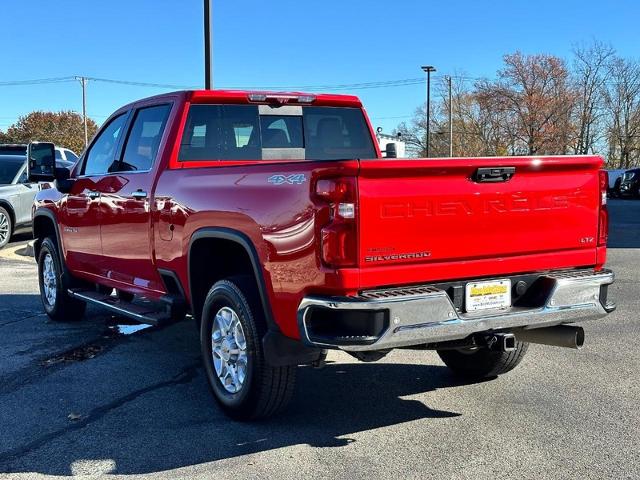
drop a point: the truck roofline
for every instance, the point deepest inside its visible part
(242, 97)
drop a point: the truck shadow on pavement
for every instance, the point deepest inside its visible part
(175, 423)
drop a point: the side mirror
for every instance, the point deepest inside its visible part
(391, 151)
(41, 162)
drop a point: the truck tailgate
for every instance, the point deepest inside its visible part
(435, 212)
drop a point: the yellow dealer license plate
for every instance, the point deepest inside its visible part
(489, 295)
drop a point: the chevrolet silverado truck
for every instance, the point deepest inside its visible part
(275, 221)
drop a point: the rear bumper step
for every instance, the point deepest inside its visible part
(425, 314)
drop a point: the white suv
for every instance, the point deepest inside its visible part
(66, 155)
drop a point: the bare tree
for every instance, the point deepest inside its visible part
(622, 101)
(414, 133)
(537, 106)
(535, 95)
(591, 69)
(477, 130)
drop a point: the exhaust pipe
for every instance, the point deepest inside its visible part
(559, 336)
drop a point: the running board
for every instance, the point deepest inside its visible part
(140, 313)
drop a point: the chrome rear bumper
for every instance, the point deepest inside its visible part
(425, 314)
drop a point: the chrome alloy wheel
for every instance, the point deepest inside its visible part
(229, 350)
(49, 284)
(4, 228)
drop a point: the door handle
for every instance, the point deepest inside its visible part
(139, 195)
(494, 174)
(93, 194)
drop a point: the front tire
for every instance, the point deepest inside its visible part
(53, 289)
(6, 228)
(479, 363)
(232, 327)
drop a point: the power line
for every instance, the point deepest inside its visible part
(142, 84)
(354, 86)
(38, 81)
(402, 82)
(343, 86)
(391, 118)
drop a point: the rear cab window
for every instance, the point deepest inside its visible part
(263, 132)
(335, 133)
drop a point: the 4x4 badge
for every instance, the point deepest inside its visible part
(293, 179)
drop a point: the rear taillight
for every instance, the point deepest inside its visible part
(339, 238)
(603, 217)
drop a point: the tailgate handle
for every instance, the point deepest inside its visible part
(494, 174)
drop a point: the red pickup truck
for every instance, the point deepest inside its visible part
(274, 219)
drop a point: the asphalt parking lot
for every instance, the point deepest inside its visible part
(85, 399)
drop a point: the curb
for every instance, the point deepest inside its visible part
(22, 253)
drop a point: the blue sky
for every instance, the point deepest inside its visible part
(281, 43)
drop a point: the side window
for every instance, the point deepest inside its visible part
(221, 132)
(101, 156)
(144, 138)
(71, 157)
(333, 133)
(23, 177)
(58, 155)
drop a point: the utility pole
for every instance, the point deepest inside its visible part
(208, 41)
(428, 69)
(83, 82)
(450, 118)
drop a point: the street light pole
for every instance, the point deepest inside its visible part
(208, 67)
(428, 69)
(450, 118)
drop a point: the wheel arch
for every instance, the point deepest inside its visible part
(279, 350)
(12, 214)
(229, 241)
(44, 225)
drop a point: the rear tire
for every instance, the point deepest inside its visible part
(6, 228)
(479, 363)
(53, 288)
(231, 330)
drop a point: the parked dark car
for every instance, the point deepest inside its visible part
(13, 149)
(630, 184)
(615, 178)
